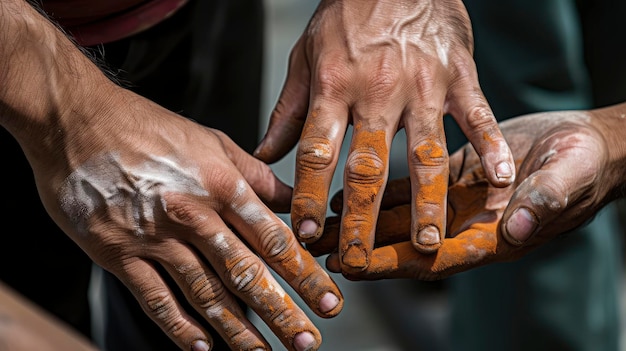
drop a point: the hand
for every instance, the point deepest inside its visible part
(570, 164)
(148, 194)
(175, 195)
(381, 66)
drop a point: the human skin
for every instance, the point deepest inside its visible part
(25, 326)
(380, 66)
(570, 164)
(139, 188)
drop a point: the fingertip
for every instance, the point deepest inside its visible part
(330, 304)
(308, 230)
(200, 345)
(520, 226)
(355, 258)
(427, 240)
(505, 173)
(332, 263)
(305, 341)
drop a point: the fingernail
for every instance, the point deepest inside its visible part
(521, 225)
(307, 229)
(304, 341)
(504, 171)
(328, 302)
(428, 236)
(200, 345)
(354, 257)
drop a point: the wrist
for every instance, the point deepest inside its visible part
(611, 121)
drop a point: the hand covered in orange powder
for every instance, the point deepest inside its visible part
(569, 165)
(380, 66)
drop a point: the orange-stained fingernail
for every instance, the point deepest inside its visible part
(521, 225)
(307, 229)
(200, 345)
(355, 257)
(328, 302)
(304, 341)
(504, 171)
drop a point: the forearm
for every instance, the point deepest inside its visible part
(46, 79)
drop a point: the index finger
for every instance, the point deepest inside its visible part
(476, 246)
(316, 161)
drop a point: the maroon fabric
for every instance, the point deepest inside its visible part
(104, 21)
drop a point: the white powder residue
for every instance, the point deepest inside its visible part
(539, 199)
(252, 213)
(105, 182)
(215, 311)
(322, 151)
(241, 188)
(442, 51)
(244, 279)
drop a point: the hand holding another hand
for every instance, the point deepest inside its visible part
(569, 165)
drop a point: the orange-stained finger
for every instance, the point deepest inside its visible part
(476, 246)
(428, 165)
(472, 112)
(289, 114)
(206, 293)
(246, 276)
(397, 192)
(275, 243)
(365, 176)
(235, 259)
(158, 301)
(393, 226)
(316, 161)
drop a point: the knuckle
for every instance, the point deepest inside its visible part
(384, 79)
(315, 153)
(331, 78)
(161, 306)
(278, 245)
(245, 274)
(430, 153)
(206, 290)
(364, 166)
(549, 194)
(480, 118)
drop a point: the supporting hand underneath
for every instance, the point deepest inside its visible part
(569, 165)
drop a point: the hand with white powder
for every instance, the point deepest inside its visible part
(145, 192)
(381, 66)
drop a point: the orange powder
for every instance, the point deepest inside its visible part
(431, 187)
(312, 180)
(366, 170)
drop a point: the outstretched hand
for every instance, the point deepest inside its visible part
(569, 165)
(380, 66)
